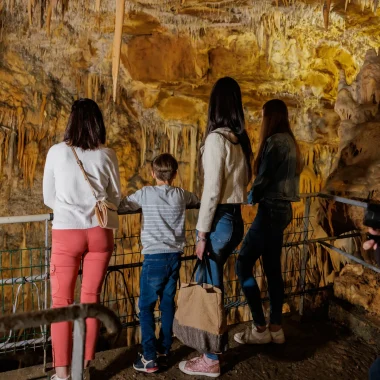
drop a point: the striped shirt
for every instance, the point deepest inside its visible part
(163, 208)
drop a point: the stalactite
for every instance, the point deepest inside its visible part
(96, 89)
(173, 131)
(193, 155)
(78, 83)
(120, 7)
(12, 143)
(29, 163)
(97, 6)
(30, 5)
(21, 134)
(89, 86)
(143, 143)
(48, 17)
(2, 139)
(326, 13)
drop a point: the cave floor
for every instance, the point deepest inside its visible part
(314, 350)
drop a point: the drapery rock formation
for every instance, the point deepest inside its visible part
(151, 64)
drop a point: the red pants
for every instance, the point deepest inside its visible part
(95, 246)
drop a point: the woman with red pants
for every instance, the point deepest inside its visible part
(76, 232)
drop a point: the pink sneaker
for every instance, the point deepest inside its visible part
(198, 367)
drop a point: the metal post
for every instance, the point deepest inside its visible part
(46, 288)
(78, 349)
(305, 253)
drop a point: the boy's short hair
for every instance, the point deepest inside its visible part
(165, 167)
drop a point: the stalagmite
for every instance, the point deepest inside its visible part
(120, 7)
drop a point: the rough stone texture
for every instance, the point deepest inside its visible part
(359, 286)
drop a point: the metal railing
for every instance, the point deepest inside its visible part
(121, 292)
(76, 313)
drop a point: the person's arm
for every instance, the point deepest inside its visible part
(269, 163)
(192, 201)
(131, 203)
(214, 167)
(113, 188)
(48, 187)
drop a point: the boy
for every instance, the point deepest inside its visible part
(163, 239)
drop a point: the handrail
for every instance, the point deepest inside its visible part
(70, 313)
(49, 217)
(25, 218)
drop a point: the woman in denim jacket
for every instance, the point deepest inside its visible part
(277, 168)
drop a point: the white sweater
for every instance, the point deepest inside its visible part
(225, 175)
(66, 191)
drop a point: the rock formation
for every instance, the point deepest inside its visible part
(151, 64)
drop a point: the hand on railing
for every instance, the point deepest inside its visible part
(373, 237)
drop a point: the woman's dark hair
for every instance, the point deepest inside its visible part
(275, 120)
(225, 110)
(85, 128)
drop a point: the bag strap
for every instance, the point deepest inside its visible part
(205, 261)
(79, 162)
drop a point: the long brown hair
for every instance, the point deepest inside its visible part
(275, 120)
(225, 110)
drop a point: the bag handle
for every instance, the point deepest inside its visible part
(206, 261)
(79, 162)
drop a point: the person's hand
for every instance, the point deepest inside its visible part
(200, 249)
(371, 243)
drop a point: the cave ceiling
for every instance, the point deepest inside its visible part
(150, 64)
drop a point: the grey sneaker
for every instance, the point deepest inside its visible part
(278, 337)
(252, 336)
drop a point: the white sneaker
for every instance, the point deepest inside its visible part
(278, 337)
(252, 336)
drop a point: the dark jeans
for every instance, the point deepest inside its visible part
(265, 238)
(374, 371)
(158, 279)
(226, 234)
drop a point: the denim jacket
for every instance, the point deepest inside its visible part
(277, 178)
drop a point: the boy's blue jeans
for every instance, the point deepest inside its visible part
(158, 280)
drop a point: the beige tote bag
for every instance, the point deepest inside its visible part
(200, 319)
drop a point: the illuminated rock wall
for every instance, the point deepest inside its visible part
(151, 64)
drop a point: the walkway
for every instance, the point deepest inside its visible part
(314, 351)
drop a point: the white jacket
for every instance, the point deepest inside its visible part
(66, 191)
(225, 175)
